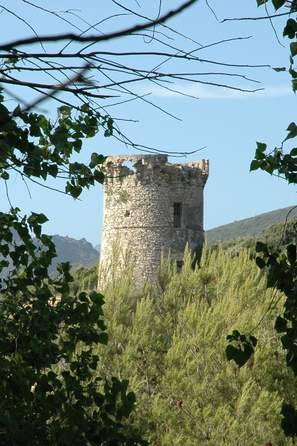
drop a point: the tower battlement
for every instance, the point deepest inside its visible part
(145, 168)
(152, 206)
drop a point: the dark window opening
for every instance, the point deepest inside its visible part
(177, 214)
(196, 253)
(179, 265)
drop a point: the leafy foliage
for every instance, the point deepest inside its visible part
(36, 148)
(240, 348)
(49, 392)
(281, 267)
(290, 31)
(285, 164)
(48, 332)
(282, 275)
(170, 342)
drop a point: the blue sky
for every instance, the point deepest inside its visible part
(226, 122)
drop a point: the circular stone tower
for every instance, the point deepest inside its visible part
(150, 207)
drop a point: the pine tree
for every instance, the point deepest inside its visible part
(170, 343)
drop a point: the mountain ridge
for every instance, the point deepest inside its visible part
(77, 252)
(249, 227)
(83, 253)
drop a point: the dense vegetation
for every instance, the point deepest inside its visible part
(81, 253)
(276, 236)
(49, 393)
(170, 341)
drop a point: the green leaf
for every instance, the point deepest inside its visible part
(260, 262)
(73, 190)
(99, 176)
(53, 170)
(255, 164)
(17, 111)
(35, 219)
(293, 73)
(291, 253)
(239, 356)
(289, 421)
(103, 338)
(278, 3)
(96, 159)
(261, 147)
(290, 29)
(292, 129)
(5, 175)
(280, 324)
(293, 48)
(261, 2)
(241, 347)
(261, 247)
(279, 69)
(65, 110)
(293, 6)
(85, 108)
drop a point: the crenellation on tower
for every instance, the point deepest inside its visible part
(152, 206)
(152, 167)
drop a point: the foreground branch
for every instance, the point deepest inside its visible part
(96, 38)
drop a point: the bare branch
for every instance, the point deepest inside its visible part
(60, 87)
(56, 14)
(22, 174)
(96, 38)
(93, 27)
(212, 10)
(9, 11)
(128, 53)
(266, 17)
(272, 26)
(145, 100)
(56, 89)
(173, 30)
(97, 78)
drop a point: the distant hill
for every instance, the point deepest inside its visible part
(77, 252)
(248, 227)
(82, 253)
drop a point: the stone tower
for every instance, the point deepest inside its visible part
(150, 207)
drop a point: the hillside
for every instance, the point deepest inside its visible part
(248, 227)
(77, 252)
(82, 253)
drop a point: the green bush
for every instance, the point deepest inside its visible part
(49, 393)
(170, 344)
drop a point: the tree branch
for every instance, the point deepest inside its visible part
(96, 38)
(266, 17)
(61, 87)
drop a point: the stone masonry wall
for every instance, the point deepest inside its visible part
(139, 196)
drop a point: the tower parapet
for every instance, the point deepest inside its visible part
(146, 168)
(152, 206)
